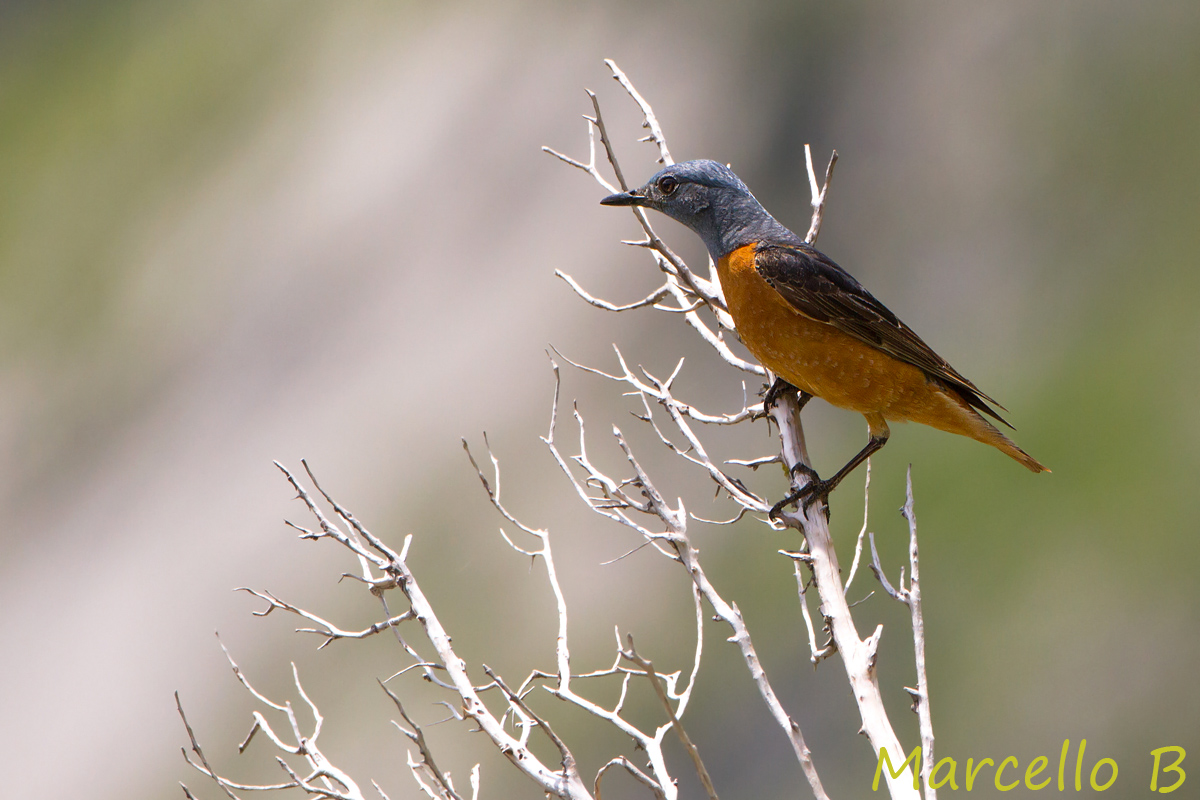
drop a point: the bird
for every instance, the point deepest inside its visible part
(815, 327)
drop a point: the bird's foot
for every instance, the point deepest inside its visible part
(778, 388)
(816, 489)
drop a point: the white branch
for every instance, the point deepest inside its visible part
(564, 782)
(327, 629)
(334, 782)
(656, 681)
(921, 695)
(818, 193)
(426, 769)
(650, 299)
(651, 121)
(562, 651)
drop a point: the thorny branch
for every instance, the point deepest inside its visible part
(656, 681)
(559, 684)
(432, 780)
(323, 780)
(683, 285)
(327, 629)
(562, 781)
(608, 497)
(911, 597)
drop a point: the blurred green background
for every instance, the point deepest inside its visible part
(238, 232)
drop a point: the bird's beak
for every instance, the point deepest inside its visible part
(631, 198)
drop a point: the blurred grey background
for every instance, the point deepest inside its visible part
(237, 232)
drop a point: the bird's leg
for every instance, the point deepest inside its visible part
(817, 489)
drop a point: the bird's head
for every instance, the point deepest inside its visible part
(705, 196)
(687, 192)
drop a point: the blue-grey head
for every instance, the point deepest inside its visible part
(708, 198)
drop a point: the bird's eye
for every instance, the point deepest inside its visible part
(667, 185)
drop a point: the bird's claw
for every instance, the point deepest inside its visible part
(775, 391)
(816, 489)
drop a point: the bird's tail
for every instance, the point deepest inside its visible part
(964, 420)
(986, 432)
(1009, 447)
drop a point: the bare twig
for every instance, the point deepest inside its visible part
(683, 283)
(564, 782)
(427, 767)
(655, 680)
(818, 193)
(817, 654)
(327, 629)
(203, 767)
(613, 501)
(324, 779)
(638, 775)
(673, 542)
(650, 299)
(862, 533)
(881, 576)
(651, 121)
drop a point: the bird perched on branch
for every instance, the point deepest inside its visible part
(813, 325)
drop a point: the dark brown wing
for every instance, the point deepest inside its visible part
(818, 288)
